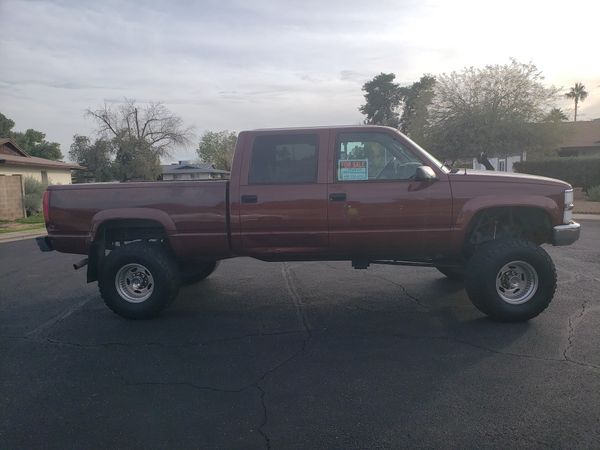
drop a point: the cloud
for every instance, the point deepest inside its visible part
(238, 64)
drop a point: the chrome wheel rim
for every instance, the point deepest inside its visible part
(517, 282)
(134, 283)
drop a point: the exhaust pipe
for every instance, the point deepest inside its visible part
(80, 264)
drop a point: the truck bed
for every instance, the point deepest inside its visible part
(193, 214)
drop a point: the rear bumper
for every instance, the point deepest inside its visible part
(566, 234)
(44, 244)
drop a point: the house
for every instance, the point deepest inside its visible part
(502, 163)
(15, 161)
(186, 170)
(580, 138)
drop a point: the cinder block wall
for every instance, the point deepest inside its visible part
(11, 197)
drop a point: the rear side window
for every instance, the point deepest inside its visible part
(284, 159)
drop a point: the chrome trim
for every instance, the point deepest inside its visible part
(566, 234)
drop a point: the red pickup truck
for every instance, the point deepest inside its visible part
(366, 194)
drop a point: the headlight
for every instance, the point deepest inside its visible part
(568, 208)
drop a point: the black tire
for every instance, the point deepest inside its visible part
(162, 277)
(483, 271)
(454, 273)
(191, 274)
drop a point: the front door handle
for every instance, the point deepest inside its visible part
(338, 197)
(249, 198)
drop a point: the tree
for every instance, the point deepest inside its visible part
(489, 110)
(32, 141)
(6, 125)
(578, 94)
(382, 97)
(416, 99)
(140, 136)
(555, 115)
(217, 147)
(96, 158)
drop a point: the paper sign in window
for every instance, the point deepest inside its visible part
(353, 169)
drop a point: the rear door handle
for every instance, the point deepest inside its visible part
(249, 198)
(338, 197)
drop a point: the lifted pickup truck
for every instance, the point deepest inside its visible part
(365, 194)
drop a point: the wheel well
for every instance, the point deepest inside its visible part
(121, 231)
(118, 232)
(521, 222)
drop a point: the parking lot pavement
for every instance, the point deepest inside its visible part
(297, 355)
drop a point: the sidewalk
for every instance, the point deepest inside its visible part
(20, 235)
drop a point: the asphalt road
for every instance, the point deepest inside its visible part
(297, 355)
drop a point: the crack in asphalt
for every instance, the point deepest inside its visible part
(403, 289)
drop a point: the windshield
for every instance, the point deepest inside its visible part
(433, 159)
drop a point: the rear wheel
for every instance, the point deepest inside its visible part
(510, 280)
(139, 280)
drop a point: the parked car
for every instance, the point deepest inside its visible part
(366, 194)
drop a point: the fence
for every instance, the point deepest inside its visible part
(11, 197)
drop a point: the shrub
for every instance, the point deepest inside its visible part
(579, 172)
(34, 191)
(593, 193)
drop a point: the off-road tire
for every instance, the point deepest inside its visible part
(454, 273)
(191, 274)
(483, 269)
(163, 270)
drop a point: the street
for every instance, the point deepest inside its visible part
(297, 355)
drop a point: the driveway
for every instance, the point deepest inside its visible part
(297, 355)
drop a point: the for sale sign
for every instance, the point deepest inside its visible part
(353, 169)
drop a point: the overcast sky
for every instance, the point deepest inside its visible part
(247, 64)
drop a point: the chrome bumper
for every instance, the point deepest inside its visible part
(566, 234)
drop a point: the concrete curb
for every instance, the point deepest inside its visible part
(21, 235)
(586, 216)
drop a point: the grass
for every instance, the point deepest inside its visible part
(12, 229)
(36, 218)
(593, 194)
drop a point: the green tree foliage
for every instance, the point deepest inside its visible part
(6, 125)
(95, 157)
(32, 141)
(556, 115)
(217, 147)
(416, 99)
(140, 136)
(34, 191)
(382, 100)
(577, 94)
(490, 110)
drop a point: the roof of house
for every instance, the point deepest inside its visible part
(21, 158)
(188, 167)
(581, 134)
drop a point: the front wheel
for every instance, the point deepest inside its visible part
(510, 280)
(139, 280)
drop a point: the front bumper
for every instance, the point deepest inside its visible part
(566, 234)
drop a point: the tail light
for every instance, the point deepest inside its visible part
(46, 206)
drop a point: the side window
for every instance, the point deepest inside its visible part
(373, 156)
(284, 159)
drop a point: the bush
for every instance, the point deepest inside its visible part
(579, 172)
(34, 191)
(593, 194)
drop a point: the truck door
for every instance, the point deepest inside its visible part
(376, 209)
(283, 195)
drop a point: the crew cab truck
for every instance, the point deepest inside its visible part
(366, 194)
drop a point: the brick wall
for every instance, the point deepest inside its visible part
(11, 197)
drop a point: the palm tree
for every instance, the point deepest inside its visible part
(577, 93)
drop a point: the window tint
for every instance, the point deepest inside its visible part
(373, 156)
(284, 159)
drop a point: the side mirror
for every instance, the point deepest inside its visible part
(425, 173)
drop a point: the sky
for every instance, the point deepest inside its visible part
(256, 64)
